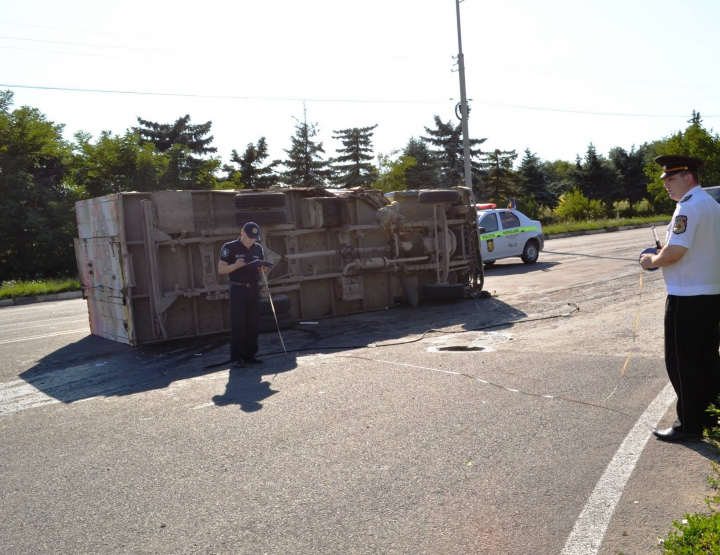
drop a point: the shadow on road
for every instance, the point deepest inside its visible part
(517, 268)
(95, 367)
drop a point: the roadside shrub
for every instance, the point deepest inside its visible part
(529, 206)
(643, 208)
(622, 209)
(576, 206)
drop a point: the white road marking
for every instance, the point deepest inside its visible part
(84, 330)
(589, 530)
(19, 395)
(13, 327)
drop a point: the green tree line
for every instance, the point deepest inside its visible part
(42, 174)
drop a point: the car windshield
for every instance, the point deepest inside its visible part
(489, 222)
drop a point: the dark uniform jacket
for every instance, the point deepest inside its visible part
(250, 272)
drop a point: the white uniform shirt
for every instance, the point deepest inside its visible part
(696, 226)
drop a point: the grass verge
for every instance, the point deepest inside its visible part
(699, 533)
(11, 289)
(566, 227)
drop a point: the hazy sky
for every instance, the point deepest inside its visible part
(551, 76)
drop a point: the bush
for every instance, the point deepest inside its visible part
(576, 206)
(643, 208)
(622, 209)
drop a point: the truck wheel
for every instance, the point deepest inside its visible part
(267, 323)
(443, 291)
(530, 252)
(281, 302)
(438, 196)
(261, 217)
(260, 200)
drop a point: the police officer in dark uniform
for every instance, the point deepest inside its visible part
(690, 261)
(239, 259)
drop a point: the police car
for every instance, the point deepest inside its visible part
(506, 233)
(714, 192)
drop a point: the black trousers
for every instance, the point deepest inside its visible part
(244, 321)
(692, 339)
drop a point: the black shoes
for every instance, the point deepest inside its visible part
(674, 435)
(238, 364)
(253, 360)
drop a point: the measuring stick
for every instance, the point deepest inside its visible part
(272, 306)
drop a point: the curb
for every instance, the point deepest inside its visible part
(606, 230)
(18, 301)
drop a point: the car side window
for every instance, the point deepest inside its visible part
(509, 220)
(489, 222)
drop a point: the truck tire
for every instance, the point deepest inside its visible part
(267, 323)
(438, 196)
(261, 217)
(281, 302)
(260, 200)
(443, 291)
(530, 252)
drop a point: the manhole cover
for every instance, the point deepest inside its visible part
(461, 348)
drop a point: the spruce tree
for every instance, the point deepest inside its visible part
(424, 174)
(183, 144)
(534, 180)
(305, 166)
(501, 182)
(596, 177)
(630, 166)
(252, 173)
(448, 152)
(165, 135)
(352, 167)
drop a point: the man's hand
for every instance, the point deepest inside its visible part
(239, 263)
(264, 269)
(646, 261)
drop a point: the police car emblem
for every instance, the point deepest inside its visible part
(680, 225)
(224, 252)
(491, 245)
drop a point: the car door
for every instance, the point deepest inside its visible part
(513, 243)
(492, 244)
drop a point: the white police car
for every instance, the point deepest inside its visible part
(508, 233)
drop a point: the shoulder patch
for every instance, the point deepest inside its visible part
(224, 252)
(680, 225)
(686, 198)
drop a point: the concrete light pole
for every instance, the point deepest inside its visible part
(463, 102)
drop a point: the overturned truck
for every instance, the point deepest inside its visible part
(147, 262)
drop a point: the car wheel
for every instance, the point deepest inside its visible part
(267, 323)
(432, 197)
(261, 217)
(443, 291)
(281, 303)
(260, 200)
(489, 262)
(530, 252)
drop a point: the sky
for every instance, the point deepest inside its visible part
(550, 76)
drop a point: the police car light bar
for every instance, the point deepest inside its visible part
(485, 206)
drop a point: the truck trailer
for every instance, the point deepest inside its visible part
(147, 262)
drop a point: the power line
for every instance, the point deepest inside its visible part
(228, 97)
(347, 100)
(96, 45)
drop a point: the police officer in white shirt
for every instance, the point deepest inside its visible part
(690, 261)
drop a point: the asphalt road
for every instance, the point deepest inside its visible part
(368, 437)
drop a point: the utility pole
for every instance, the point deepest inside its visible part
(463, 102)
